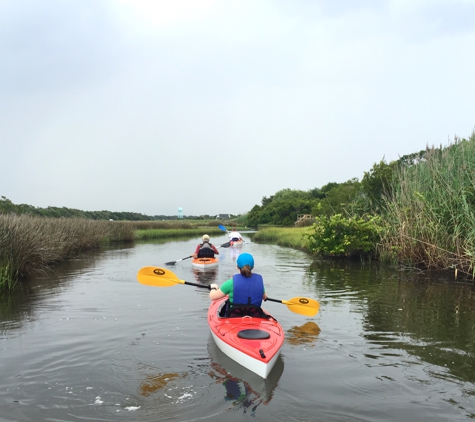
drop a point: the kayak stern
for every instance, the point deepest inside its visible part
(252, 342)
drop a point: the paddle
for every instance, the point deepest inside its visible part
(300, 305)
(178, 260)
(161, 277)
(224, 245)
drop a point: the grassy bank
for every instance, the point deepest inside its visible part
(31, 245)
(283, 236)
(170, 233)
(148, 230)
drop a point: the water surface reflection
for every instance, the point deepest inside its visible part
(88, 342)
(243, 388)
(205, 277)
(306, 334)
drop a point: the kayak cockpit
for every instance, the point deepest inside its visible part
(251, 334)
(226, 311)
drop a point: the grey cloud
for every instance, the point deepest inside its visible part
(55, 44)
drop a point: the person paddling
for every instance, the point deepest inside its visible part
(205, 249)
(245, 290)
(234, 235)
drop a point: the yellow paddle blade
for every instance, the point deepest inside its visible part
(158, 277)
(302, 305)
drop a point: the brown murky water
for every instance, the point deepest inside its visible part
(88, 342)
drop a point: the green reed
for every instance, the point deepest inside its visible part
(7, 280)
(430, 217)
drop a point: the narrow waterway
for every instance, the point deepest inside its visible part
(88, 342)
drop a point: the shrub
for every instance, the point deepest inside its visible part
(344, 236)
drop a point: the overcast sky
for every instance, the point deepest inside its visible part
(151, 105)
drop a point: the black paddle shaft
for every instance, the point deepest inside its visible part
(178, 260)
(198, 285)
(274, 300)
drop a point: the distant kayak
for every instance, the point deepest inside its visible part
(236, 243)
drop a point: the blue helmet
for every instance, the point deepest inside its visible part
(245, 259)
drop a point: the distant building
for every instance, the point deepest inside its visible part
(223, 216)
(180, 213)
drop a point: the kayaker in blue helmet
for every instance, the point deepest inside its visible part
(245, 289)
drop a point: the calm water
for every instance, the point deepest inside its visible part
(90, 343)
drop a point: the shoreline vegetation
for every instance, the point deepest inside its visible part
(417, 212)
(283, 236)
(32, 245)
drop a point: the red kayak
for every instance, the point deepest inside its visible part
(253, 342)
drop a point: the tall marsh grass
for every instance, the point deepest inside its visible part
(430, 216)
(29, 245)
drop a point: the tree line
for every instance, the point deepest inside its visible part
(8, 207)
(353, 197)
(417, 211)
(414, 211)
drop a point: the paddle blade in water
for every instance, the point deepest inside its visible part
(158, 277)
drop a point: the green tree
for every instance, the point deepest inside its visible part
(377, 183)
(254, 216)
(339, 199)
(7, 206)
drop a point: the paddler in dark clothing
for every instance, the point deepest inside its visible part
(205, 249)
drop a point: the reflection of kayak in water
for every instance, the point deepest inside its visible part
(205, 277)
(254, 342)
(205, 263)
(234, 252)
(241, 384)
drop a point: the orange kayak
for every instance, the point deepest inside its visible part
(205, 263)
